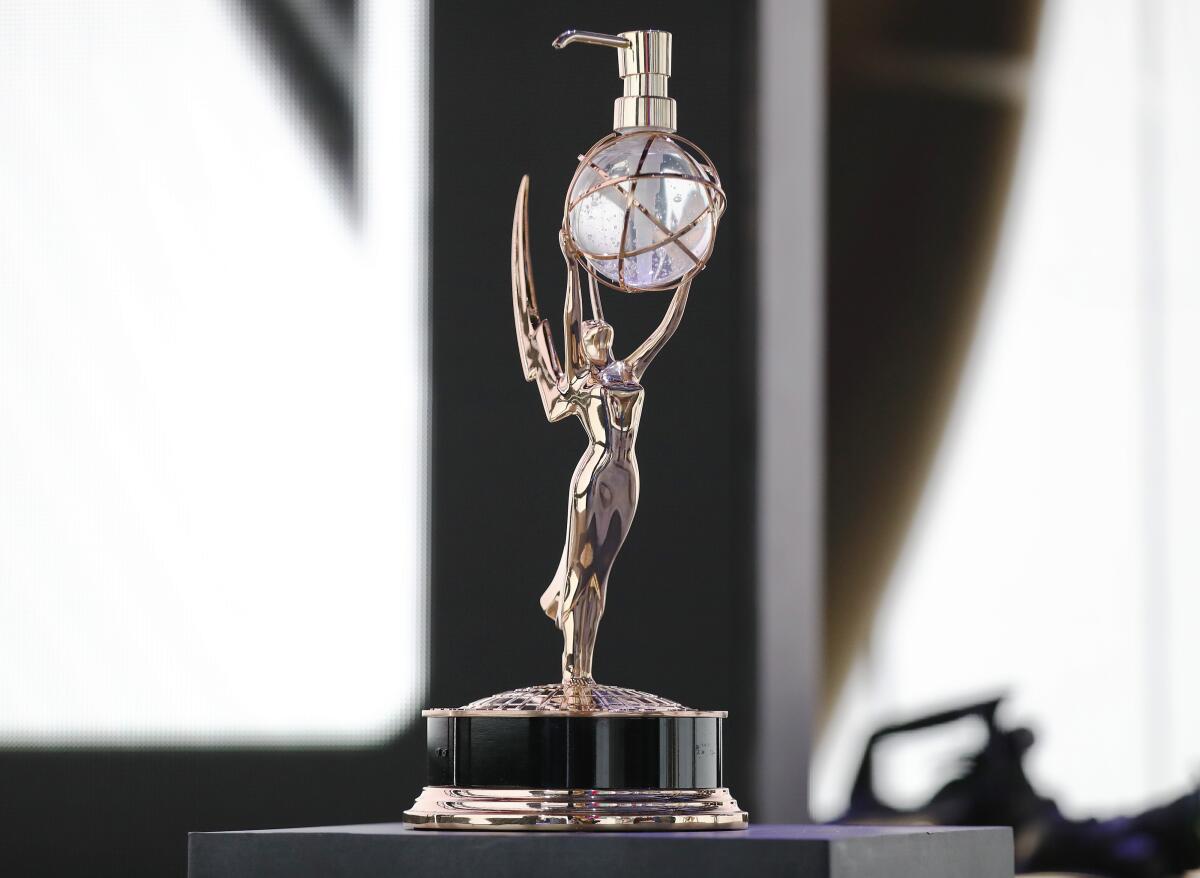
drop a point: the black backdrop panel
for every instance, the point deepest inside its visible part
(679, 609)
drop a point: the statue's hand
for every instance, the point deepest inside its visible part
(542, 350)
(570, 254)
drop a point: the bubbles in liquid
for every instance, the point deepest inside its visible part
(642, 216)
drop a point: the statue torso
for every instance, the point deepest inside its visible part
(610, 412)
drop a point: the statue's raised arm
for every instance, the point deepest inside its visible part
(640, 359)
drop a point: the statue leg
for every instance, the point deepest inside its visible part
(584, 567)
(552, 596)
(579, 626)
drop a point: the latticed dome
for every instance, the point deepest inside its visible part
(578, 698)
(642, 210)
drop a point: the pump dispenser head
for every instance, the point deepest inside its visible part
(644, 64)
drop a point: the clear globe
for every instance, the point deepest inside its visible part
(643, 195)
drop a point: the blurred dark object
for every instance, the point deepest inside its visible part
(994, 791)
(926, 105)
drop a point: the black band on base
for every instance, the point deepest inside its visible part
(626, 753)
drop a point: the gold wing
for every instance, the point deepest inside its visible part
(535, 340)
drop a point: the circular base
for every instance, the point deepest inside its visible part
(482, 808)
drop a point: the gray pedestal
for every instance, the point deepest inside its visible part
(395, 851)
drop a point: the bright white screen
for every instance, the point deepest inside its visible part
(211, 385)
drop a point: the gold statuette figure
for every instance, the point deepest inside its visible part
(640, 215)
(606, 395)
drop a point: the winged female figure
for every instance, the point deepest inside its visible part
(606, 395)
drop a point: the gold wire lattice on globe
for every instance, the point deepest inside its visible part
(702, 172)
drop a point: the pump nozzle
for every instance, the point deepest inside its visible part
(591, 37)
(644, 64)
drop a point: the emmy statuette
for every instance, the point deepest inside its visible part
(640, 215)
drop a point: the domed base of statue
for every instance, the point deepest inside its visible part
(575, 756)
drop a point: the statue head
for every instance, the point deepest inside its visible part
(597, 342)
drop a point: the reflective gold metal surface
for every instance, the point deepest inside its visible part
(605, 394)
(703, 173)
(644, 64)
(555, 699)
(619, 810)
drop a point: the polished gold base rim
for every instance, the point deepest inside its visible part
(575, 810)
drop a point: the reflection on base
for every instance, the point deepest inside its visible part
(620, 810)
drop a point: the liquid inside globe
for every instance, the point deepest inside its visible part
(667, 198)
